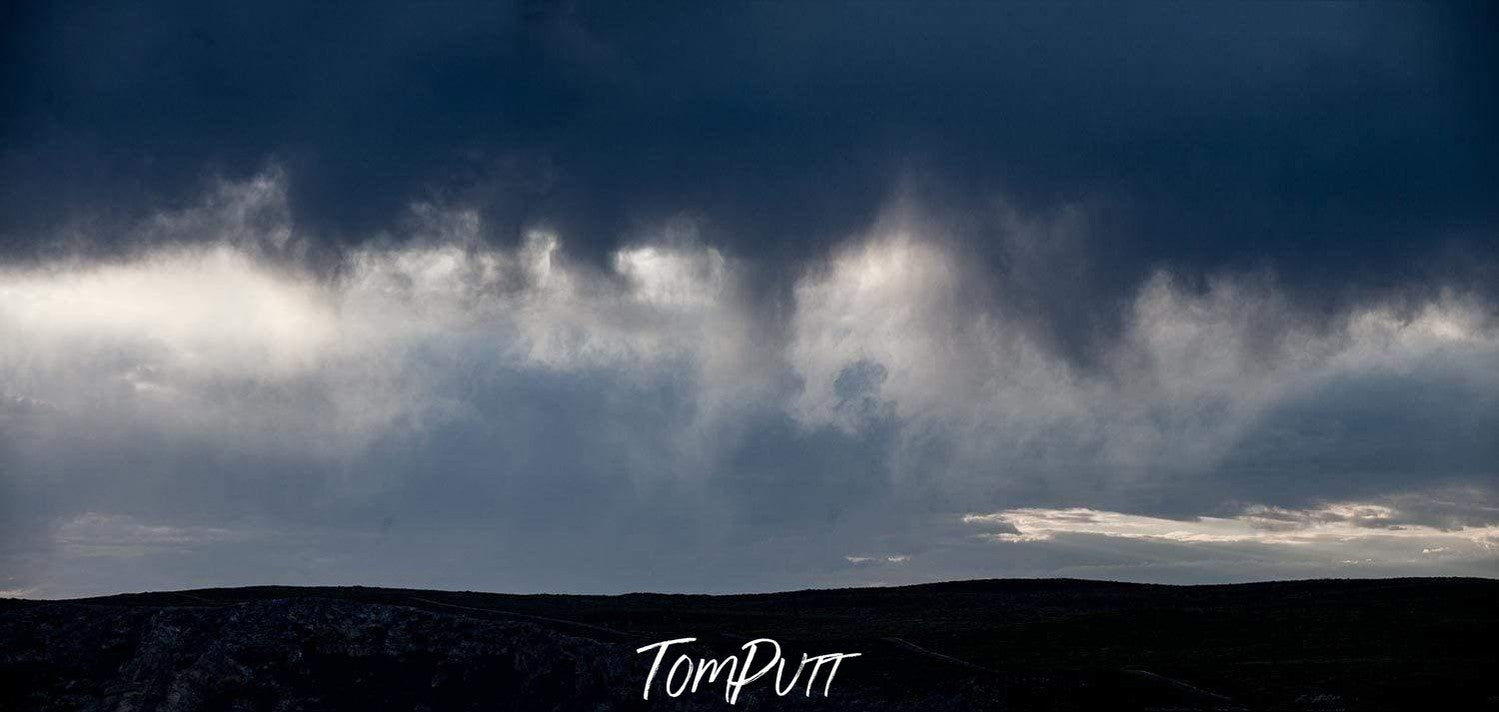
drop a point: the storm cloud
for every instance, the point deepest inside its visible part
(556, 297)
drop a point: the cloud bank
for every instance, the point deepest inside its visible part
(568, 296)
(208, 411)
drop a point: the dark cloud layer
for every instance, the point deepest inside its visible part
(593, 297)
(1335, 136)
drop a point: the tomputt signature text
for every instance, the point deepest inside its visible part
(687, 674)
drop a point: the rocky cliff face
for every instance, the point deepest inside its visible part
(299, 654)
(327, 654)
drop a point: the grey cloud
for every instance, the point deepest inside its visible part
(571, 297)
(1320, 140)
(551, 424)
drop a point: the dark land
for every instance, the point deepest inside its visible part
(998, 644)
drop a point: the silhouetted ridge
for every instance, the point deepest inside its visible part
(1061, 644)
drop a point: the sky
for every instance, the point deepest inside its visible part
(596, 298)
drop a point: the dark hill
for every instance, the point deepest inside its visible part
(997, 644)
